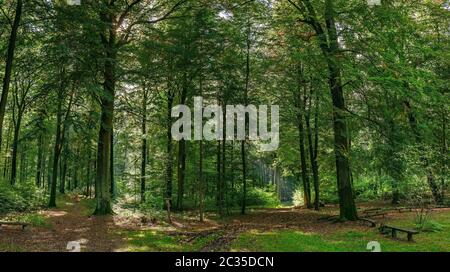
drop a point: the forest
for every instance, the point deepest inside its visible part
(104, 144)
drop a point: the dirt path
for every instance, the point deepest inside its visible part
(70, 222)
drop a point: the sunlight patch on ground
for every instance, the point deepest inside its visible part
(54, 213)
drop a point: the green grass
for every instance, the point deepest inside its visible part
(346, 241)
(153, 241)
(297, 241)
(10, 248)
(35, 220)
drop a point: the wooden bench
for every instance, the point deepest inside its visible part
(404, 209)
(372, 223)
(372, 210)
(375, 214)
(24, 225)
(385, 228)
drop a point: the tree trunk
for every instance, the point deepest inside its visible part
(169, 154)
(62, 187)
(144, 145)
(328, 43)
(103, 177)
(88, 173)
(313, 153)
(201, 184)
(181, 170)
(300, 104)
(6, 161)
(347, 206)
(15, 147)
(223, 195)
(111, 169)
(56, 153)
(39, 159)
(243, 154)
(219, 176)
(9, 64)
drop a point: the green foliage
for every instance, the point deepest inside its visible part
(430, 226)
(298, 198)
(34, 219)
(20, 198)
(263, 197)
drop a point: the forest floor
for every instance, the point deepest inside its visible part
(282, 229)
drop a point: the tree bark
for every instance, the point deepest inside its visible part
(328, 42)
(104, 147)
(247, 86)
(111, 169)
(56, 153)
(39, 160)
(15, 147)
(169, 147)
(313, 152)
(300, 104)
(144, 144)
(9, 64)
(181, 169)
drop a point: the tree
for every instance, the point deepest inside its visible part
(9, 63)
(329, 44)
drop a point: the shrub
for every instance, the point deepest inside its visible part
(19, 198)
(264, 197)
(431, 226)
(298, 198)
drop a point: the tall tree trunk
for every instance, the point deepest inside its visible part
(39, 159)
(201, 184)
(300, 104)
(6, 161)
(169, 154)
(103, 177)
(63, 174)
(347, 207)
(56, 152)
(9, 64)
(342, 150)
(111, 169)
(328, 42)
(62, 187)
(313, 152)
(88, 173)
(223, 195)
(15, 146)
(181, 169)
(444, 154)
(144, 145)
(23, 158)
(243, 154)
(219, 176)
